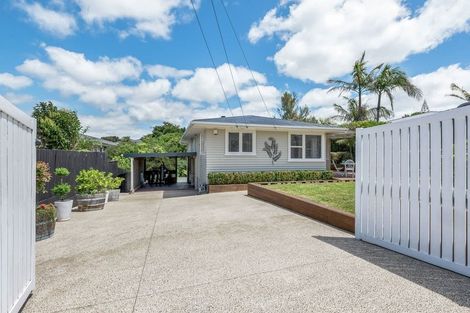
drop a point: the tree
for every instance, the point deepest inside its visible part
(352, 112)
(290, 109)
(388, 80)
(360, 81)
(459, 92)
(58, 128)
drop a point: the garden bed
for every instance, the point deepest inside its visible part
(305, 206)
(227, 188)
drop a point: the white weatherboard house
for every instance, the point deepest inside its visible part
(255, 143)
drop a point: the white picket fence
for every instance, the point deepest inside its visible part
(17, 206)
(412, 187)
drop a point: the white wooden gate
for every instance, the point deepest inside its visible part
(412, 187)
(17, 206)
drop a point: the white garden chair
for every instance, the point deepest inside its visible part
(349, 167)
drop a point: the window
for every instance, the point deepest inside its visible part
(240, 143)
(296, 146)
(233, 142)
(305, 147)
(312, 147)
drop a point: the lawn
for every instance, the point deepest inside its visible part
(335, 195)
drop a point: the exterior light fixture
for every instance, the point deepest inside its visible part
(215, 132)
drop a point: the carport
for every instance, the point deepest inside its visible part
(159, 169)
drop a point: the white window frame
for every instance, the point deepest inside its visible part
(240, 142)
(304, 159)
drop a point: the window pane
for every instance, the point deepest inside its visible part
(296, 140)
(295, 153)
(312, 147)
(233, 142)
(247, 142)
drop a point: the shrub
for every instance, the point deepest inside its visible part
(62, 189)
(91, 181)
(61, 172)
(45, 212)
(113, 182)
(227, 178)
(43, 176)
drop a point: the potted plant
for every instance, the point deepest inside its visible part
(91, 186)
(114, 185)
(45, 221)
(61, 190)
(45, 213)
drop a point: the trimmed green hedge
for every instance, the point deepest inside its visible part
(226, 178)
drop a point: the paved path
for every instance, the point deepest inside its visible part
(227, 253)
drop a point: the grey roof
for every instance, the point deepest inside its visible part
(160, 155)
(259, 120)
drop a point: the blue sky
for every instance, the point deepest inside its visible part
(127, 65)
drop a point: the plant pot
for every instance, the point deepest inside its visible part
(64, 210)
(45, 223)
(91, 202)
(106, 198)
(114, 194)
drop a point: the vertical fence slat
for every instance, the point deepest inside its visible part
(396, 187)
(414, 186)
(404, 187)
(358, 186)
(3, 212)
(460, 190)
(424, 204)
(387, 179)
(436, 189)
(447, 189)
(365, 183)
(379, 186)
(372, 185)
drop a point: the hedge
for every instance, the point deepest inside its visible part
(226, 178)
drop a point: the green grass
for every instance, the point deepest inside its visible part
(335, 195)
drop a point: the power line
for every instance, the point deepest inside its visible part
(244, 55)
(212, 58)
(228, 61)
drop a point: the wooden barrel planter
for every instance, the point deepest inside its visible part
(91, 202)
(45, 221)
(114, 195)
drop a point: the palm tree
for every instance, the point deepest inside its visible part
(360, 82)
(291, 110)
(352, 112)
(459, 92)
(386, 82)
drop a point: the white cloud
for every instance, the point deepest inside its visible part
(112, 124)
(60, 24)
(204, 85)
(14, 82)
(323, 38)
(163, 71)
(435, 87)
(148, 17)
(18, 99)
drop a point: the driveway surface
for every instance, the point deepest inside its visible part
(227, 253)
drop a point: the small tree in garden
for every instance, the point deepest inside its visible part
(62, 189)
(91, 181)
(43, 176)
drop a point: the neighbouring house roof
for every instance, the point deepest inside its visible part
(253, 121)
(100, 140)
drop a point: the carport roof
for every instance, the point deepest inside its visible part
(160, 155)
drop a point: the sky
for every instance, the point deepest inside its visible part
(127, 65)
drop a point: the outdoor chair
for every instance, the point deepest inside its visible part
(349, 167)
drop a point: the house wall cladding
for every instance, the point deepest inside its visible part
(17, 206)
(412, 187)
(75, 161)
(218, 161)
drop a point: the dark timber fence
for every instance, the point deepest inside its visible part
(74, 161)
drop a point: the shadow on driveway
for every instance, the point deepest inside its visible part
(451, 285)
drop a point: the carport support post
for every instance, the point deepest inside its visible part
(131, 187)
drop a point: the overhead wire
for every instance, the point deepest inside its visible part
(244, 55)
(212, 59)
(228, 61)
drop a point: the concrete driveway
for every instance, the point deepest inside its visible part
(227, 253)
